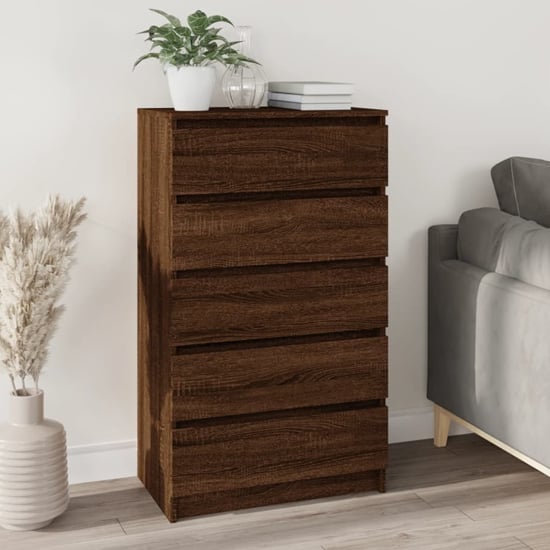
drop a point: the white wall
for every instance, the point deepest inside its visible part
(467, 83)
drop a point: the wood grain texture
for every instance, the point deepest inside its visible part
(263, 232)
(154, 404)
(253, 453)
(262, 306)
(219, 115)
(223, 307)
(248, 497)
(296, 155)
(250, 380)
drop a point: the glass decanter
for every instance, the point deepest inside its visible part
(244, 86)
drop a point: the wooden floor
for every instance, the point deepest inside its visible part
(469, 496)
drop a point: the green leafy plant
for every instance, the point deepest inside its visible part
(197, 44)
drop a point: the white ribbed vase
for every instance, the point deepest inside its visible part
(33, 466)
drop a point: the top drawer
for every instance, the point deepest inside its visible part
(280, 157)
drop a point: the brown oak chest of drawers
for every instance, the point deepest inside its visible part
(262, 306)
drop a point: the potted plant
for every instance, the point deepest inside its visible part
(36, 253)
(187, 55)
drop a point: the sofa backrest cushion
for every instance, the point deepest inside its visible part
(522, 186)
(496, 241)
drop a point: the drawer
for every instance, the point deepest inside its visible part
(251, 380)
(247, 304)
(289, 156)
(264, 232)
(220, 457)
(277, 493)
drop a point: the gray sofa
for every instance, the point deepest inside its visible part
(489, 316)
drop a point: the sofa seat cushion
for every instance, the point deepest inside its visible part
(496, 241)
(522, 186)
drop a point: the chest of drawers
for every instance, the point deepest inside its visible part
(262, 306)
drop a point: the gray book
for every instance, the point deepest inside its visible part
(299, 98)
(311, 88)
(309, 106)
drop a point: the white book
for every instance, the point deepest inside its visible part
(298, 98)
(309, 106)
(311, 88)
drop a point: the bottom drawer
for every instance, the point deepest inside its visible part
(215, 456)
(265, 495)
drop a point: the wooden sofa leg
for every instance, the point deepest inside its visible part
(442, 423)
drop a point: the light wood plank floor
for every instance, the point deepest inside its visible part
(469, 496)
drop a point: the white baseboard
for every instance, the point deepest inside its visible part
(102, 461)
(415, 424)
(119, 459)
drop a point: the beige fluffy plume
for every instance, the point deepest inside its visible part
(36, 253)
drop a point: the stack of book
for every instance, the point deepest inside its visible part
(310, 96)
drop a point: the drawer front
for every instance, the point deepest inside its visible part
(264, 232)
(277, 493)
(248, 304)
(209, 458)
(252, 380)
(285, 156)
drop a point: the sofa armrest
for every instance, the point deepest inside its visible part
(442, 242)
(452, 305)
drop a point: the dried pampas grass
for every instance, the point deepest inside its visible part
(36, 253)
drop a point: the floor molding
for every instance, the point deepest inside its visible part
(102, 461)
(416, 424)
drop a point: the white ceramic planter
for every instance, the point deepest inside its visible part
(33, 466)
(191, 88)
